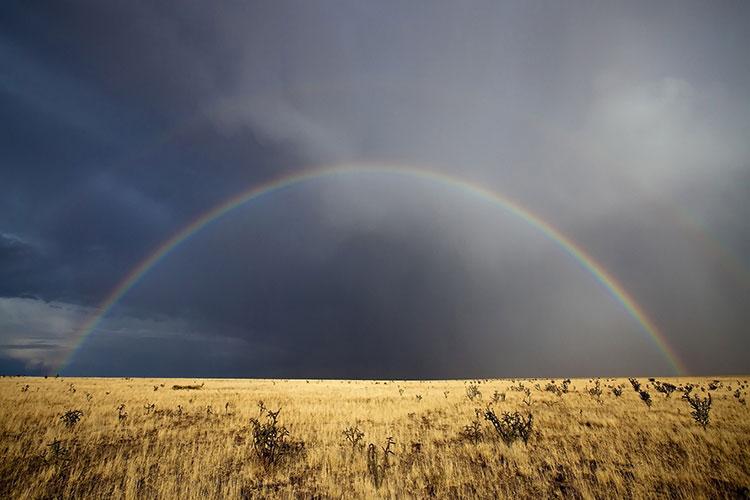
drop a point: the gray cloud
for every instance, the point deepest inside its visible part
(621, 125)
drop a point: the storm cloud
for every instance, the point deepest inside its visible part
(623, 126)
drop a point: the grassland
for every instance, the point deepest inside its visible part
(159, 438)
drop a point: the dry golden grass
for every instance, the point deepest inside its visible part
(197, 443)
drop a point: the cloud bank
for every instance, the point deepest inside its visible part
(622, 126)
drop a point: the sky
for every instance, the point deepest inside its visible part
(625, 126)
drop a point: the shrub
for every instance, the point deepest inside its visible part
(121, 413)
(739, 398)
(473, 431)
(701, 408)
(686, 388)
(636, 385)
(565, 385)
(270, 439)
(511, 426)
(71, 417)
(665, 388)
(595, 392)
(645, 397)
(553, 388)
(354, 436)
(473, 392)
(58, 453)
(617, 391)
(377, 468)
(527, 397)
(498, 397)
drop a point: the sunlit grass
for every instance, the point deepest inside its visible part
(194, 439)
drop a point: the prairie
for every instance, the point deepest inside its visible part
(171, 438)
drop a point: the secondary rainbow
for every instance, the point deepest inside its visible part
(410, 172)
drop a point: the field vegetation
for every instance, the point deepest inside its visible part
(169, 438)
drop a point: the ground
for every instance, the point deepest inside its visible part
(170, 438)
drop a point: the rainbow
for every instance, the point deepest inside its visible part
(408, 172)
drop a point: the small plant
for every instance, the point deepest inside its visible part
(473, 431)
(511, 426)
(377, 468)
(636, 385)
(445, 393)
(527, 397)
(354, 436)
(419, 397)
(554, 389)
(565, 385)
(121, 413)
(665, 388)
(713, 385)
(687, 388)
(270, 439)
(739, 398)
(498, 397)
(617, 391)
(518, 388)
(645, 397)
(595, 392)
(473, 392)
(426, 422)
(71, 417)
(149, 408)
(57, 452)
(701, 408)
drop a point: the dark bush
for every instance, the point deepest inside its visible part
(71, 417)
(701, 408)
(270, 441)
(377, 468)
(354, 436)
(511, 426)
(473, 392)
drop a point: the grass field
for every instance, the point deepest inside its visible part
(170, 438)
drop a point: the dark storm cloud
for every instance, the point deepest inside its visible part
(623, 125)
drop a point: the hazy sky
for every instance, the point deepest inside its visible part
(626, 126)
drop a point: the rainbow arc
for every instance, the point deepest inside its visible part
(586, 261)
